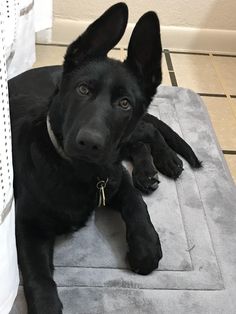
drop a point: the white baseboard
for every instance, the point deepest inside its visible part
(174, 38)
(44, 36)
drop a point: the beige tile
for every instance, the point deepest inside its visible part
(165, 72)
(197, 73)
(120, 54)
(231, 161)
(226, 68)
(115, 54)
(223, 121)
(123, 54)
(49, 55)
(233, 105)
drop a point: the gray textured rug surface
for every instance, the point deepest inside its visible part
(196, 220)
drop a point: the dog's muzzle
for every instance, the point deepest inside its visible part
(90, 143)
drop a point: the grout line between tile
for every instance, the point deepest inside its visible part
(189, 53)
(222, 55)
(170, 68)
(173, 78)
(168, 60)
(212, 95)
(229, 152)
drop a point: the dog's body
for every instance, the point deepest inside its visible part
(66, 144)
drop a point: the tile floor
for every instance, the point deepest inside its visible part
(210, 75)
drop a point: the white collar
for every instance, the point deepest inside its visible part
(54, 141)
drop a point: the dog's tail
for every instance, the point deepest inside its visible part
(174, 141)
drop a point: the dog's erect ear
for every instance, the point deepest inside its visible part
(145, 51)
(99, 38)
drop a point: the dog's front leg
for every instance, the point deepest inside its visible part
(164, 158)
(143, 241)
(174, 140)
(35, 255)
(145, 176)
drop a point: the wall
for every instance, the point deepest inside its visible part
(188, 19)
(214, 14)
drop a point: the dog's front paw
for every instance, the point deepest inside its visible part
(144, 250)
(144, 180)
(45, 303)
(168, 163)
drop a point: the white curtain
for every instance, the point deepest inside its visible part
(18, 23)
(43, 20)
(43, 14)
(9, 277)
(28, 18)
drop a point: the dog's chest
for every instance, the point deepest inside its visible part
(69, 194)
(68, 205)
(72, 201)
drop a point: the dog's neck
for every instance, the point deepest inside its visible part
(101, 182)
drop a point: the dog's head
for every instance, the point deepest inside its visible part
(102, 100)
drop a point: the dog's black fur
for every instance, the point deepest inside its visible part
(93, 113)
(152, 147)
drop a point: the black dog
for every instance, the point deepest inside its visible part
(67, 151)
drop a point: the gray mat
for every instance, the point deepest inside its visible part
(196, 220)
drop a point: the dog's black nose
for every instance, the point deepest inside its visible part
(90, 141)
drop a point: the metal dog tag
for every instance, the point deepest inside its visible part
(102, 197)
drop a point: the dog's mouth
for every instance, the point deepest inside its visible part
(107, 156)
(93, 157)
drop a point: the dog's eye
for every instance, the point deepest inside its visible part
(83, 89)
(124, 104)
